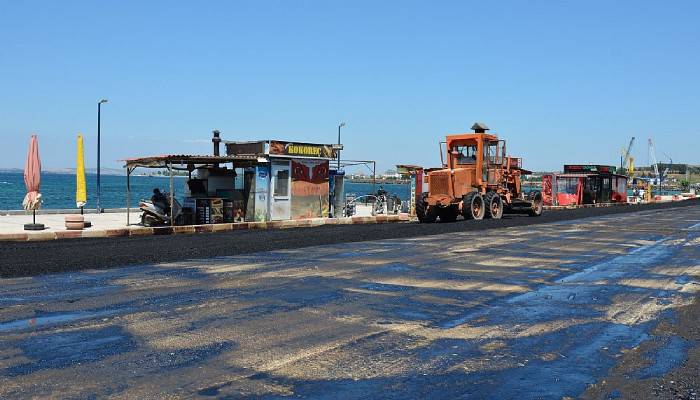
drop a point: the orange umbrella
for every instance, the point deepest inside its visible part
(32, 181)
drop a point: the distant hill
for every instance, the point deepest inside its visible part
(89, 171)
(71, 171)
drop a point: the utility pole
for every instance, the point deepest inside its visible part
(99, 109)
(342, 124)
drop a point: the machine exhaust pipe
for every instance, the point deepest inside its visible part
(216, 140)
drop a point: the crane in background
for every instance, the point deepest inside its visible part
(669, 158)
(626, 161)
(664, 174)
(630, 166)
(652, 158)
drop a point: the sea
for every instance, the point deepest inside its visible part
(58, 189)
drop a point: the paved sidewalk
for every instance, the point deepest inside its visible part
(114, 224)
(14, 224)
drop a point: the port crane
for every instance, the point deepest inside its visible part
(670, 160)
(627, 162)
(652, 158)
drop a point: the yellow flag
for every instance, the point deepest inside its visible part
(81, 191)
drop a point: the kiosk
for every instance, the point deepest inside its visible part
(267, 180)
(584, 184)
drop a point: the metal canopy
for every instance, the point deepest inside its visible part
(164, 161)
(369, 164)
(170, 161)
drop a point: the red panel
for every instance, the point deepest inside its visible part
(547, 189)
(566, 199)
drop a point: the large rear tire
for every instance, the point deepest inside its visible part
(537, 204)
(473, 206)
(424, 212)
(494, 205)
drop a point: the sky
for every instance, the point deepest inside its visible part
(560, 81)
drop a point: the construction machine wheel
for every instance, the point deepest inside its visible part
(448, 214)
(537, 203)
(473, 206)
(424, 212)
(494, 205)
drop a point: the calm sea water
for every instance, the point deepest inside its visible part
(58, 190)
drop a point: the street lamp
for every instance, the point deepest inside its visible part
(99, 106)
(342, 124)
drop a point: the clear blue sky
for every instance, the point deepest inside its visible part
(562, 81)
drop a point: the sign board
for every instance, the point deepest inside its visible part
(599, 169)
(236, 148)
(302, 149)
(280, 148)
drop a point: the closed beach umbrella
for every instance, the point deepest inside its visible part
(32, 181)
(80, 191)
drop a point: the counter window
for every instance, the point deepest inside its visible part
(567, 185)
(282, 183)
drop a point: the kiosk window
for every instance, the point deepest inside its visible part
(282, 183)
(568, 185)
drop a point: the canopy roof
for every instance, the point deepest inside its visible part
(163, 161)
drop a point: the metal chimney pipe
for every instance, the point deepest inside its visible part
(216, 140)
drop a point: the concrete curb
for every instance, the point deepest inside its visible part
(599, 205)
(193, 229)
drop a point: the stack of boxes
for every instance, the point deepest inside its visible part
(216, 214)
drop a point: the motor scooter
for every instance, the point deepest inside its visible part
(154, 214)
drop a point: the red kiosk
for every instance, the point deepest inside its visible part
(584, 184)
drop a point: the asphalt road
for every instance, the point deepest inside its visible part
(34, 258)
(604, 307)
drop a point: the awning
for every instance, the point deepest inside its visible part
(163, 161)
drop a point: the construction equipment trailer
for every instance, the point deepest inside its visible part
(478, 181)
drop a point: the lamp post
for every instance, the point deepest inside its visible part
(99, 107)
(342, 124)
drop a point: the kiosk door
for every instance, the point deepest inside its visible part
(281, 187)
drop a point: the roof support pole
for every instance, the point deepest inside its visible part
(128, 194)
(374, 176)
(172, 196)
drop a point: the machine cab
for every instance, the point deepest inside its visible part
(480, 153)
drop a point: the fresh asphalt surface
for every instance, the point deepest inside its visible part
(596, 308)
(36, 258)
